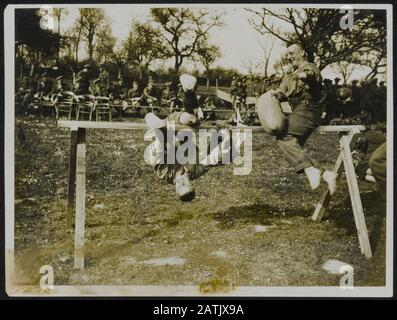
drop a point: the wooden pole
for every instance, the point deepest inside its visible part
(80, 198)
(71, 177)
(326, 196)
(355, 198)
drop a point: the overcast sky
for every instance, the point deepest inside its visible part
(238, 41)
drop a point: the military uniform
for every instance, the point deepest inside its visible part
(83, 82)
(104, 82)
(133, 93)
(303, 96)
(156, 155)
(378, 165)
(118, 92)
(44, 87)
(149, 95)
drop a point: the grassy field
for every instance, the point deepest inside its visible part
(139, 232)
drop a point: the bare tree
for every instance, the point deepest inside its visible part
(318, 31)
(207, 55)
(74, 35)
(182, 29)
(142, 46)
(89, 23)
(105, 44)
(58, 12)
(267, 49)
(252, 67)
(345, 69)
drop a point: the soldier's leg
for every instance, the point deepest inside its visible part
(291, 142)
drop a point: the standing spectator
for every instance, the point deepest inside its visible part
(336, 83)
(382, 96)
(239, 95)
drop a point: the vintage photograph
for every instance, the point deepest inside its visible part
(199, 150)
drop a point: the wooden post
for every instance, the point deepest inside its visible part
(71, 177)
(326, 196)
(355, 198)
(80, 199)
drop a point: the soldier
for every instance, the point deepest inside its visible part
(83, 80)
(103, 80)
(133, 92)
(366, 101)
(382, 93)
(134, 96)
(172, 99)
(233, 84)
(326, 101)
(149, 95)
(181, 174)
(190, 96)
(166, 96)
(302, 89)
(118, 91)
(336, 83)
(57, 89)
(58, 85)
(239, 95)
(118, 95)
(95, 88)
(25, 94)
(45, 86)
(378, 166)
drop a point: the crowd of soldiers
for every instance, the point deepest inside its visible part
(361, 102)
(47, 88)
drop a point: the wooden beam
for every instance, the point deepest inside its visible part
(228, 97)
(80, 199)
(143, 126)
(355, 198)
(71, 177)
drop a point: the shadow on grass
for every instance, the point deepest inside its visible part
(261, 213)
(374, 209)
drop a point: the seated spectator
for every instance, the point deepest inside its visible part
(83, 81)
(134, 97)
(149, 95)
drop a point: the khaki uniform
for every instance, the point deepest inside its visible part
(378, 165)
(303, 96)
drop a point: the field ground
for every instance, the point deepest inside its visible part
(139, 233)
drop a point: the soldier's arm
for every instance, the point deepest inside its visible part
(309, 73)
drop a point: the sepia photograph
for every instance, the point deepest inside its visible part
(199, 150)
